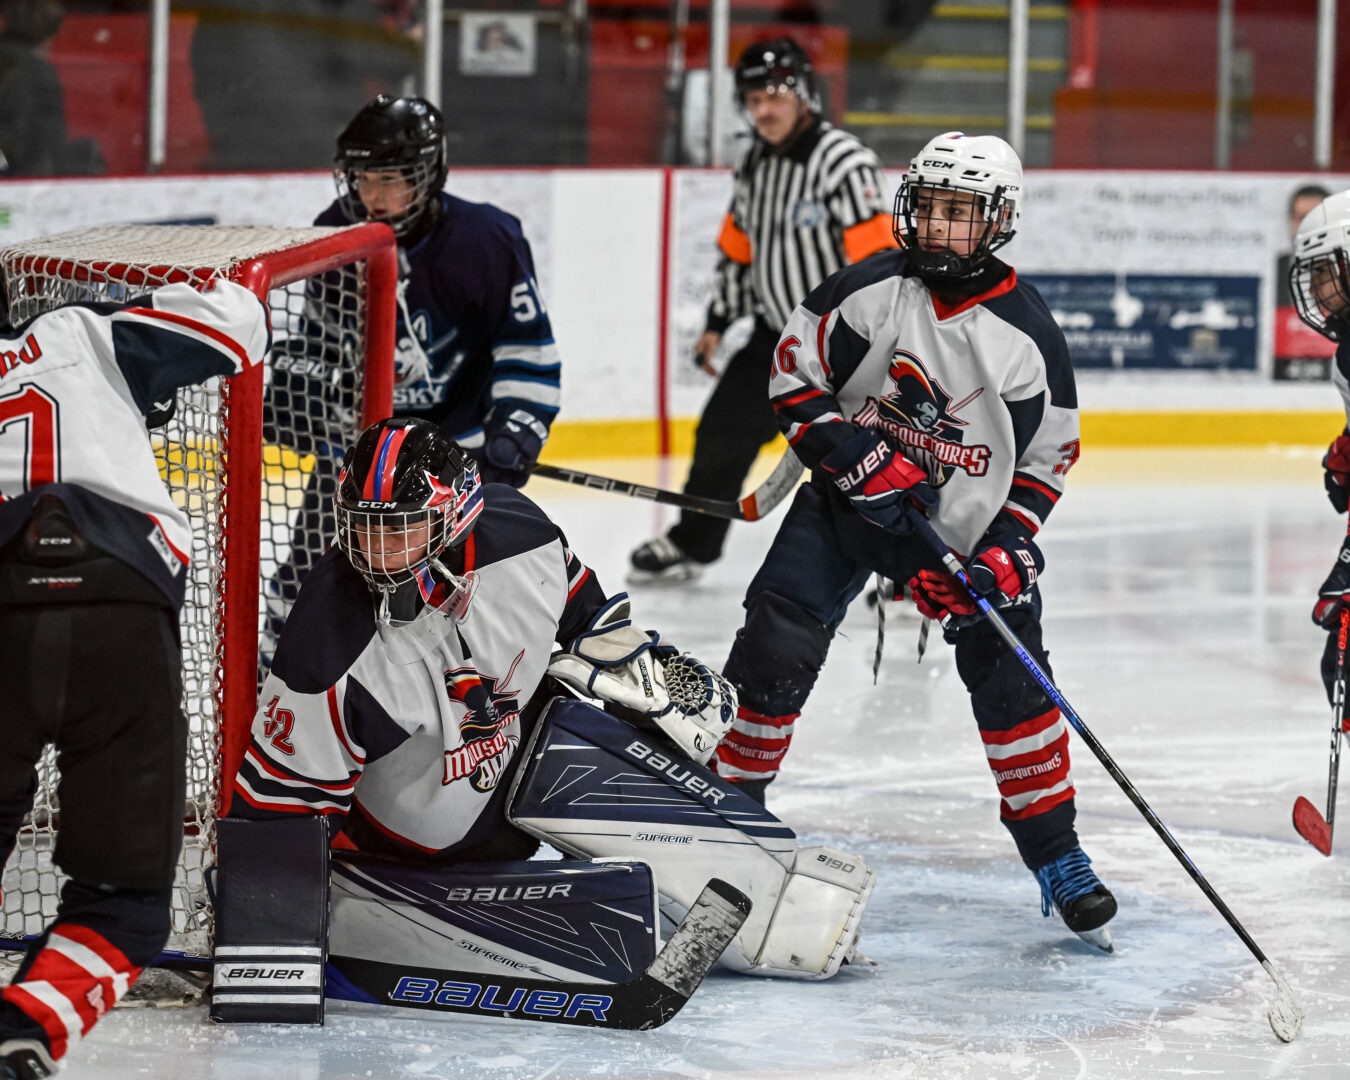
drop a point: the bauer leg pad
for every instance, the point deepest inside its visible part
(271, 921)
(594, 787)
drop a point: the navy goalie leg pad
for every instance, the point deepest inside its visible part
(461, 938)
(271, 920)
(593, 786)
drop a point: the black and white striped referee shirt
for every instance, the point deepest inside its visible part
(795, 219)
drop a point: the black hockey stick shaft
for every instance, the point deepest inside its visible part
(954, 567)
(1311, 825)
(750, 507)
(645, 1002)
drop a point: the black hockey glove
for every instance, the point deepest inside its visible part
(1003, 568)
(512, 448)
(879, 482)
(1336, 474)
(1335, 591)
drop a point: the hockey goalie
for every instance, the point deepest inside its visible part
(453, 687)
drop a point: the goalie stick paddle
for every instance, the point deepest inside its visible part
(645, 1002)
(1285, 1013)
(750, 507)
(1311, 825)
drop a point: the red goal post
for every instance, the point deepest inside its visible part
(332, 298)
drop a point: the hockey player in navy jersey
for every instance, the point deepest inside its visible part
(927, 379)
(93, 565)
(1319, 282)
(416, 667)
(475, 351)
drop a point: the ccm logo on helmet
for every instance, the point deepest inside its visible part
(370, 504)
(933, 163)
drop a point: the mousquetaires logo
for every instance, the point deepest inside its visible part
(919, 418)
(488, 711)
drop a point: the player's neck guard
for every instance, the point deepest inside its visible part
(414, 619)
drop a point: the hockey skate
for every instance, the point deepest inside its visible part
(25, 1059)
(1085, 904)
(660, 562)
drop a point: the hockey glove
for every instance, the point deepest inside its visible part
(1335, 591)
(648, 684)
(1336, 475)
(879, 482)
(1004, 567)
(512, 448)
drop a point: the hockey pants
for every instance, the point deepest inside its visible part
(736, 423)
(101, 682)
(820, 560)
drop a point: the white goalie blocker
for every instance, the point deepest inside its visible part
(598, 789)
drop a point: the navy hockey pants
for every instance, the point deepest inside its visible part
(820, 560)
(736, 423)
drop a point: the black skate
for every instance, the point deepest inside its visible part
(1085, 904)
(25, 1059)
(660, 562)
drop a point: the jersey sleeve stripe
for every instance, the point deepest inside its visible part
(284, 776)
(335, 715)
(579, 582)
(1022, 480)
(822, 342)
(226, 342)
(795, 399)
(282, 804)
(182, 558)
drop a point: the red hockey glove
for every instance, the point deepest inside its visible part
(1336, 476)
(1335, 591)
(1004, 566)
(880, 482)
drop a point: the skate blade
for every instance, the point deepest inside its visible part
(1099, 938)
(672, 576)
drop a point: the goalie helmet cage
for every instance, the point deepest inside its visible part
(331, 295)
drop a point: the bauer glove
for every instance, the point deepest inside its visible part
(511, 449)
(1336, 473)
(1004, 568)
(880, 482)
(1335, 591)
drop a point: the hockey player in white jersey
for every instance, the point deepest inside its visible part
(1319, 282)
(93, 561)
(927, 378)
(417, 668)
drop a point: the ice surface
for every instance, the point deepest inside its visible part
(1178, 591)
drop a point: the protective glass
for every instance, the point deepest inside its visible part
(394, 194)
(1320, 286)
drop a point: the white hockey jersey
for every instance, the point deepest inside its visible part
(411, 729)
(981, 395)
(75, 384)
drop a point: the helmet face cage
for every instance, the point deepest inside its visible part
(1320, 286)
(421, 181)
(406, 493)
(995, 210)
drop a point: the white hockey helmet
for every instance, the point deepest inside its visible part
(984, 165)
(1319, 274)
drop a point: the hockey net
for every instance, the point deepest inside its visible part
(239, 457)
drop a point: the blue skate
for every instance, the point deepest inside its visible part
(1085, 904)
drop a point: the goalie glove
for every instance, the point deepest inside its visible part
(646, 683)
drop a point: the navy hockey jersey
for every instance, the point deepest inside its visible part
(75, 384)
(980, 394)
(472, 303)
(410, 729)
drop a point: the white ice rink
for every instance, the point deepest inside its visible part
(1177, 596)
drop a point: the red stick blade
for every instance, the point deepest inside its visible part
(1312, 826)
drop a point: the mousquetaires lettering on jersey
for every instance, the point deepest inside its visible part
(29, 353)
(488, 712)
(918, 417)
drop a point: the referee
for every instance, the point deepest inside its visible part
(807, 199)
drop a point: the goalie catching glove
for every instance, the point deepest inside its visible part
(646, 683)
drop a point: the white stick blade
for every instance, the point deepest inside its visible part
(1285, 1013)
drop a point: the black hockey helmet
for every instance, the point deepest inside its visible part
(405, 494)
(393, 140)
(778, 65)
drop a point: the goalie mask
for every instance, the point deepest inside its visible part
(958, 203)
(391, 166)
(406, 494)
(1319, 275)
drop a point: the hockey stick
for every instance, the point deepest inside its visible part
(1310, 824)
(750, 507)
(1285, 1013)
(647, 1001)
